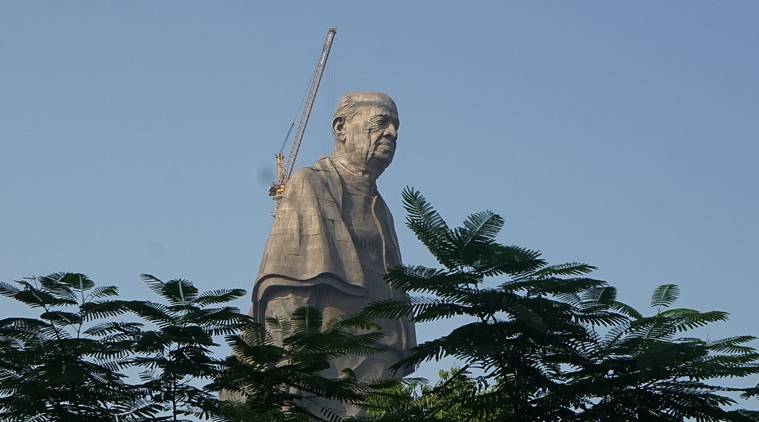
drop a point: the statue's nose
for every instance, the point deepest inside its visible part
(391, 131)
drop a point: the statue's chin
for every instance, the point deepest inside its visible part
(378, 163)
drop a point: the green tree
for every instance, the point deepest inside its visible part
(521, 333)
(68, 364)
(178, 354)
(535, 336)
(273, 381)
(65, 365)
(414, 399)
(645, 369)
(540, 342)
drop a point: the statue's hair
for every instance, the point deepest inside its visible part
(350, 103)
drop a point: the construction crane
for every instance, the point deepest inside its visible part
(277, 188)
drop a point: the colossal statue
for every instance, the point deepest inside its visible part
(333, 237)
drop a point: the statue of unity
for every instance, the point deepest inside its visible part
(333, 237)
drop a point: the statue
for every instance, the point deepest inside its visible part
(333, 237)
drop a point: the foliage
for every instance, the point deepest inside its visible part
(414, 399)
(520, 333)
(643, 369)
(539, 342)
(281, 380)
(535, 340)
(178, 352)
(66, 363)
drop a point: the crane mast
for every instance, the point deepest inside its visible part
(284, 170)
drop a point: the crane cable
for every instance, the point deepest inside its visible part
(292, 122)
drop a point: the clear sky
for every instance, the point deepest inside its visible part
(138, 137)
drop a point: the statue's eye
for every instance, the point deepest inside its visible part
(379, 122)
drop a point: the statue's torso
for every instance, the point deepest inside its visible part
(364, 226)
(331, 244)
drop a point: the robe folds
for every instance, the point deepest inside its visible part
(311, 245)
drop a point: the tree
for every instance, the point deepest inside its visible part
(414, 399)
(65, 365)
(533, 336)
(642, 370)
(68, 364)
(270, 381)
(522, 332)
(540, 343)
(178, 353)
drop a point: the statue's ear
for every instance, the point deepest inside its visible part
(338, 128)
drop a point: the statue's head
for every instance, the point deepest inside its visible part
(365, 127)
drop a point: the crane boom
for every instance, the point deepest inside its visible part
(312, 88)
(285, 170)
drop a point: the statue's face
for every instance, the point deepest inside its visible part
(369, 136)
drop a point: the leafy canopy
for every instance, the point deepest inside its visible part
(547, 342)
(67, 363)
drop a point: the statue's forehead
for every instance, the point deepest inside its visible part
(380, 110)
(377, 106)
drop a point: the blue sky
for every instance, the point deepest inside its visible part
(138, 137)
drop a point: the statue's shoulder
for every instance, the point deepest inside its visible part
(319, 180)
(320, 172)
